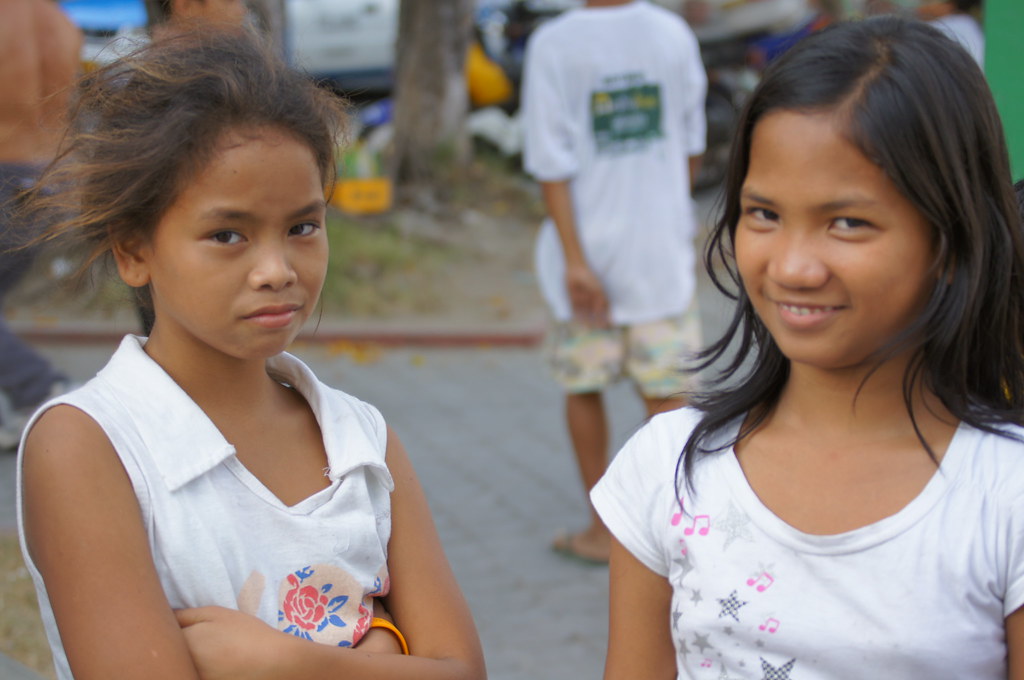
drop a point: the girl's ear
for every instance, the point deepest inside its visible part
(132, 265)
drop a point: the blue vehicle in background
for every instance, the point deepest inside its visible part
(350, 43)
(103, 22)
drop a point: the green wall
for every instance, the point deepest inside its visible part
(1004, 67)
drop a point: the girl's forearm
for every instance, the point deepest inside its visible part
(302, 660)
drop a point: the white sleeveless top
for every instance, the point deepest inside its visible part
(217, 535)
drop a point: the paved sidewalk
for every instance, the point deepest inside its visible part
(12, 670)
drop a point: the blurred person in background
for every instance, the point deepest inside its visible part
(168, 17)
(614, 120)
(957, 19)
(39, 59)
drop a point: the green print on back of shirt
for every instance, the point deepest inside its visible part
(625, 119)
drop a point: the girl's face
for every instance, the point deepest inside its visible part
(834, 259)
(237, 262)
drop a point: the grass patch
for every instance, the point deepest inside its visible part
(21, 629)
(375, 270)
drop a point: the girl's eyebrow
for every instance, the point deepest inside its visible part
(852, 201)
(236, 215)
(755, 197)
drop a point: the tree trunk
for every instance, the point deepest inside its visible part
(430, 94)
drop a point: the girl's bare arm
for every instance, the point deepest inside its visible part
(1015, 645)
(425, 602)
(639, 640)
(85, 534)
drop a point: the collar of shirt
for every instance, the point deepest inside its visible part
(185, 444)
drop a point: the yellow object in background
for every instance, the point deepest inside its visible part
(363, 188)
(362, 195)
(488, 84)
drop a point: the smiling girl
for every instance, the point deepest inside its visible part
(205, 507)
(850, 504)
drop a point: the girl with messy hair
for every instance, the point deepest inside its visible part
(205, 507)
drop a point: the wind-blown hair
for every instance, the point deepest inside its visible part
(917, 105)
(141, 128)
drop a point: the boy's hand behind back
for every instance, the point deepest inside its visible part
(587, 296)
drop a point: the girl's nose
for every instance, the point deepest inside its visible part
(795, 261)
(272, 268)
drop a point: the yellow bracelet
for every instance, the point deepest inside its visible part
(376, 622)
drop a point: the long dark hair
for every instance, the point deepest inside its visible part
(917, 105)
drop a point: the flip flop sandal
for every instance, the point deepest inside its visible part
(565, 545)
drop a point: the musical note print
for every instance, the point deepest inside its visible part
(678, 516)
(701, 525)
(764, 581)
(770, 626)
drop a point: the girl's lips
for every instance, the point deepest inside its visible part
(806, 316)
(273, 317)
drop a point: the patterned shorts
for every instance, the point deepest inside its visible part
(652, 355)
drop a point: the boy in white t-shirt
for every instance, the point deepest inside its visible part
(613, 101)
(956, 20)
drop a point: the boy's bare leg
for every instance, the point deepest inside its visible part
(656, 405)
(588, 431)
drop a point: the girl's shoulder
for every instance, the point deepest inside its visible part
(659, 442)
(677, 420)
(674, 428)
(991, 460)
(331, 404)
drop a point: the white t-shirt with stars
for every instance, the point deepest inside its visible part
(920, 594)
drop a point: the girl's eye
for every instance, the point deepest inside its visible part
(227, 237)
(762, 214)
(849, 223)
(304, 229)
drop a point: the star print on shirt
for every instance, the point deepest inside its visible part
(675, 619)
(773, 673)
(735, 524)
(730, 606)
(696, 598)
(701, 642)
(685, 565)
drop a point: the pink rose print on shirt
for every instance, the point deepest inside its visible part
(306, 607)
(319, 603)
(363, 624)
(381, 586)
